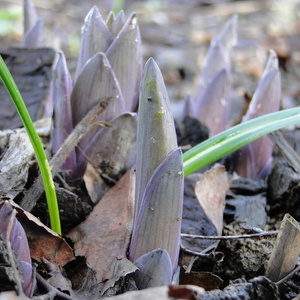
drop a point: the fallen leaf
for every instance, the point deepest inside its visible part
(32, 77)
(194, 219)
(43, 242)
(206, 280)
(94, 183)
(57, 279)
(112, 152)
(203, 208)
(16, 158)
(103, 238)
(211, 192)
(188, 292)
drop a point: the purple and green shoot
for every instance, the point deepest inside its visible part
(159, 175)
(212, 102)
(254, 160)
(15, 238)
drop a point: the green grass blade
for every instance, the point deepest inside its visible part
(40, 154)
(236, 137)
(117, 6)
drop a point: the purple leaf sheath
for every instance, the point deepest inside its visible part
(254, 160)
(156, 136)
(158, 221)
(159, 172)
(95, 37)
(13, 233)
(212, 102)
(155, 269)
(62, 117)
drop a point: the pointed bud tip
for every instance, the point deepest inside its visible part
(272, 62)
(151, 65)
(93, 14)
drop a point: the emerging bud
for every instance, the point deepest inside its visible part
(159, 172)
(254, 160)
(211, 105)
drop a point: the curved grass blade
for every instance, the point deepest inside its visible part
(254, 160)
(237, 137)
(117, 5)
(40, 154)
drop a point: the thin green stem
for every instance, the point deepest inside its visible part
(117, 6)
(40, 154)
(236, 137)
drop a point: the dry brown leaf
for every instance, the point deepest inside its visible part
(111, 155)
(57, 279)
(188, 291)
(206, 280)
(95, 185)
(211, 191)
(104, 236)
(43, 242)
(16, 158)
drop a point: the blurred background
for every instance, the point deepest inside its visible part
(177, 34)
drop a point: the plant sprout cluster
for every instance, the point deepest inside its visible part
(110, 69)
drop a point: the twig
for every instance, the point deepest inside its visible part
(52, 291)
(36, 190)
(194, 252)
(230, 237)
(288, 276)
